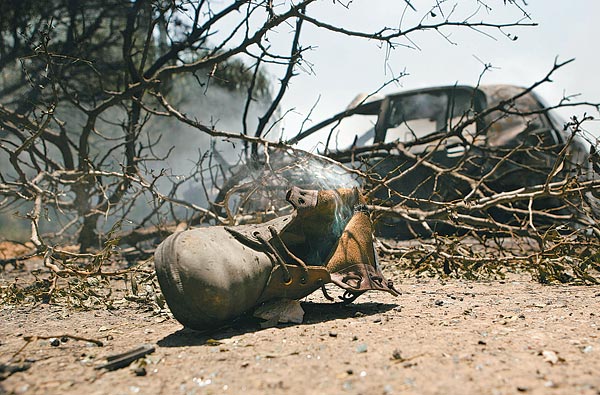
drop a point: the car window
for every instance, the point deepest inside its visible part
(410, 130)
(415, 116)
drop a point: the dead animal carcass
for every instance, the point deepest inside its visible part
(213, 274)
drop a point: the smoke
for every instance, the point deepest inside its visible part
(173, 149)
(285, 168)
(218, 108)
(328, 176)
(323, 174)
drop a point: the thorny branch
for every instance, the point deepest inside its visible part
(96, 101)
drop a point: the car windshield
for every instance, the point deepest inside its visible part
(415, 116)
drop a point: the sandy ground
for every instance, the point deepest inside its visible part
(438, 337)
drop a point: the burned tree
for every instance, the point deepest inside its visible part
(458, 166)
(93, 92)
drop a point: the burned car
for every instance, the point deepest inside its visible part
(421, 151)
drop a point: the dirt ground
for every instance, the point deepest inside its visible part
(441, 336)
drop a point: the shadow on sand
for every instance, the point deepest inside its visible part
(314, 313)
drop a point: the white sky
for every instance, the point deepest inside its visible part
(343, 68)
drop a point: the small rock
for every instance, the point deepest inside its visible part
(550, 384)
(350, 371)
(141, 371)
(359, 314)
(551, 357)
(361, 348)
(587, 349)
(397, 355)
(439, 302)
(332, 334)
(54, 342)
(64, 339)
(481, 342)
(354, 338)
(522, 389)
(377, 320)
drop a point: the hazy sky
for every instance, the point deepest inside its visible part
(345, 67)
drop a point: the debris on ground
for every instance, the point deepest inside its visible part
(118, 361)
(281, 311)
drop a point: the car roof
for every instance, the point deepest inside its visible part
(494, 95)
